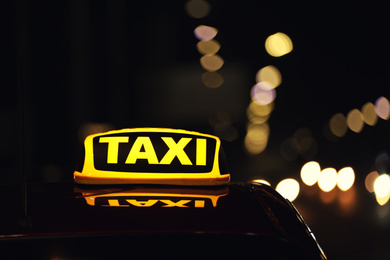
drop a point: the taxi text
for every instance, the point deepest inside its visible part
(143, 149)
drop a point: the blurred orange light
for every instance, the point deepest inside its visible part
(212, 79)
(328, 179)
(369, 181)
(208, 47)
(338, 125)
(369, 115)
(197, 8)
(310, 173)
(211, 62)
(355, 120)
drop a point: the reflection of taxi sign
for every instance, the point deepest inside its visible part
(147, 197)
(152, 156)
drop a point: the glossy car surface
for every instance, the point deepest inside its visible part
(66, 220)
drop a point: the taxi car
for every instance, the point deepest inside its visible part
(177, 203)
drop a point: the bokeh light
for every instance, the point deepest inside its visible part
(382, 108)
(256, 138)
(212, 79)
(208, 47)
(382, 162)
(328, 179)
(278, 44)
(269, 74)
(369, 115)
(382, 189)
(92, 128)
(263, 95)
(211, 62)
(260, 110)
(345, 178)
(197, 8)
(382, 185)
(310, 173)
(355, 120)
(370, 180)
(338, 125)
(205, 33)
(288, 188)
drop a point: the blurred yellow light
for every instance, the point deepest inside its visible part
(278, 44)
(382, 108)
(328, 179)
(269, 74)
(208, 47)
(254, 148)
(211, 62)
(197, 8)
(338, 125)
(345, 178)
(256, 138)
(369, 115)
(256, 120)
(382, 185)
(355, 120)
(288, 188)
(370, 180)
(383, 200)
(260, 110)
(262, 181)
(205, 33)
(262, 95)
(212, 79)
(310, 173)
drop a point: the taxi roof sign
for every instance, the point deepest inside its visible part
(152, 156)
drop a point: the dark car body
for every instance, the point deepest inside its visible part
(70, 221)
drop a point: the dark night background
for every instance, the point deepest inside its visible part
(134, 64)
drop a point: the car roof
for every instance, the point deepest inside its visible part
(236, 209)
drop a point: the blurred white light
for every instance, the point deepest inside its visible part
(382, 108)
(205, 33)
(288, 188)
(382, 185)
(310, 173)
(345, 178)
(263, 95)
(328, 179)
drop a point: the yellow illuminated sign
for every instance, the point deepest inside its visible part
(152, 156)
(154, 197)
